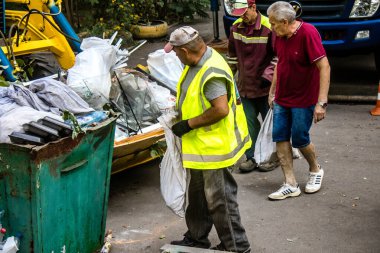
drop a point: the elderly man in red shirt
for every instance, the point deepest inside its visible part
(251, 47)
(298, 94)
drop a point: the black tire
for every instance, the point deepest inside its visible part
(43, 64)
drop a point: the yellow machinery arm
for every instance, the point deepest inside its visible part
(35, 33)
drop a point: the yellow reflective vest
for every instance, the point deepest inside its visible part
(219, 145)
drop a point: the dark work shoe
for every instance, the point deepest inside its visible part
(188, 242)
(220, 247)
(248, 166)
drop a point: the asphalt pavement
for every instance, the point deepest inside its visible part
(344, 216)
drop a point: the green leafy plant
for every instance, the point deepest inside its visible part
(107, 17)
(24, 71)
(146, 11)
(158, 149)
(76, 127)
(185, 9)
(103, 18)
(3, 83)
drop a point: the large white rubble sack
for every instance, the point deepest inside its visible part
(166, 67)
(90, 76)
(14, 119)
(172, 174)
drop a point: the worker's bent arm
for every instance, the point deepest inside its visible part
(324, 78)
(218, 110)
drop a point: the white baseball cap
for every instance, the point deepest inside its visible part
(181, 36)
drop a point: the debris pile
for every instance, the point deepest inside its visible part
(99, 83)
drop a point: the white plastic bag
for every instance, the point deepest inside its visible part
(166, 67)
(172, 174)
(265, 148)
(90, 76)
(296, 153)
(161, 95)
(10, 246)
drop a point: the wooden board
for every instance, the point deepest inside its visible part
(135, 150)
(137, 143)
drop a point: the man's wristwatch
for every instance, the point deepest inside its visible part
(322, 104)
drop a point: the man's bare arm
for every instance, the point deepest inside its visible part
(324, 85)
(218, 110)
(272, 89)
(324, 78)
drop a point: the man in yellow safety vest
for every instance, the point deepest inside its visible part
(214, 135)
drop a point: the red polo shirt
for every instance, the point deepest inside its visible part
(297, 74)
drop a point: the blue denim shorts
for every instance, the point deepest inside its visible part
(292, 122)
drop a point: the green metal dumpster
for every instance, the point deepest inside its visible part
(56, 195)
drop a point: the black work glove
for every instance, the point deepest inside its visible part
(181, 128)
(264, 83)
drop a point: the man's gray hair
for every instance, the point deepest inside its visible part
(282, 11)
(194, 45)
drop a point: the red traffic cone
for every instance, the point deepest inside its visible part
(376, 111)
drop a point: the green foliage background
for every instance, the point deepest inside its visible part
(103, 17)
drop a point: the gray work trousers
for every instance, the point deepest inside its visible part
(212, 196)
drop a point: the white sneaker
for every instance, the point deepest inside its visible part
(286, 191)
(315, 181)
